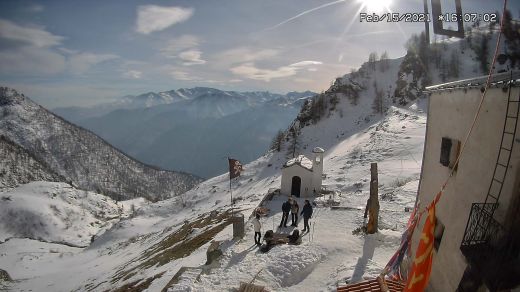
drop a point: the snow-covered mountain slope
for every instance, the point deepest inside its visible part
(82, 157)
(212, 124)
(17, 166)
(146, 251)
(57, 212)
(361, 119)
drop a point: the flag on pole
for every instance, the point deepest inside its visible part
(422, 263)
(235, 167)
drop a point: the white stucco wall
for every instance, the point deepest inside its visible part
(450, 115)
(295, 170)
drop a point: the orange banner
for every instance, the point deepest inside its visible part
(422, 264)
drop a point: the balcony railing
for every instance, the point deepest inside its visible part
(490, 251)
(481, 228)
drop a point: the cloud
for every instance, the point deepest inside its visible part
(179, 44)
(33, 36)
(305, 63)
(249, 70)
(32, 51)
(184, 76)
(152, 18)
(246, 54)
(303, 80)
(60, 95)
(31, 61)
(191, 57)
(185, 49)
(133, 74)
(81, 63)
(35, 8)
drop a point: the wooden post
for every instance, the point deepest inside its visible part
(373, 211)
(366, 208)
(238, 225)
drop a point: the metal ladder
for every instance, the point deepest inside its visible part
(481, 216)
(506, 147)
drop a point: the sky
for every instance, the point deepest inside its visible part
(80, 53)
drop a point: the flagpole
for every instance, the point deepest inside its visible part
(231, 192)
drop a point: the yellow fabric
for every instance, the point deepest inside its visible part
(422, 264)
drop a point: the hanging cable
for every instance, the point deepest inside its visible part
(479, 108)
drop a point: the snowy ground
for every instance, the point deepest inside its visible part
(57, 212)
(330, 254)
(139, 248)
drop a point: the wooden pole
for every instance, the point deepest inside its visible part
(366, 209)
(231, 192)
(373, 211)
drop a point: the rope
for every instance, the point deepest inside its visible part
(477, 114)
(254, 278)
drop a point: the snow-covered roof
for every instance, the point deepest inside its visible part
(301, 160)
(318, 150)
(499, 79)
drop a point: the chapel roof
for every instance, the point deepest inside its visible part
(300, 160)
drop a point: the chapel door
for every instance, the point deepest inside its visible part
(296, 186)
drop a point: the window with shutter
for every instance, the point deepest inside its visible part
(445, 151)
(450, 150)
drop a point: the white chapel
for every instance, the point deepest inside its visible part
(302, 176)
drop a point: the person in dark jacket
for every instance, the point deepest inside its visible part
(307, 214)
(286, 208)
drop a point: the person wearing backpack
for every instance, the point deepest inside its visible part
(307, 214)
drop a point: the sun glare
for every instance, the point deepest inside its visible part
(376, 6)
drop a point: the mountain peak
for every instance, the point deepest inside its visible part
(9, 96)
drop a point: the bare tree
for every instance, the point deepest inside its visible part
(294, 133)
(384, 63)
(377, 106)
(372, 59)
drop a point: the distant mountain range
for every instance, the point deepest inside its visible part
(191, 130)
(152, 99)
(39, 145)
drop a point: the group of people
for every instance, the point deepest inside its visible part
(290, 206)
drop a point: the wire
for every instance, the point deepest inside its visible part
(477, 114)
